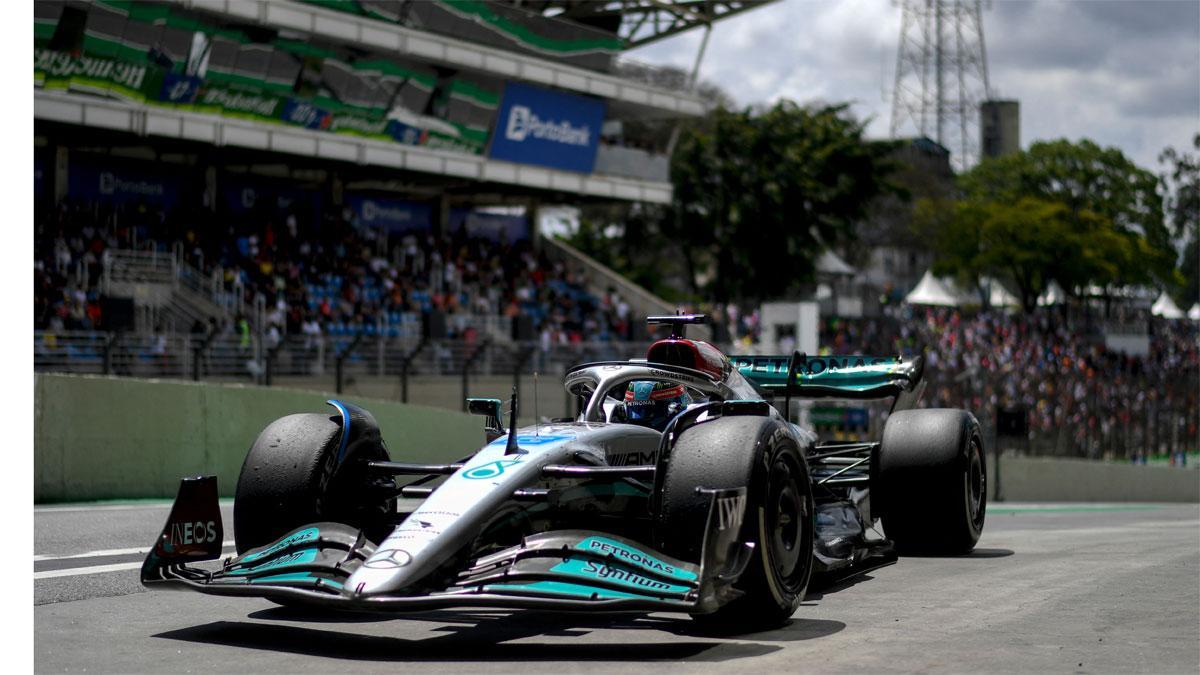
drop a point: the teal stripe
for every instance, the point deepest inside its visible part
(563, 588)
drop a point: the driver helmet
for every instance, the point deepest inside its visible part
(653, 404)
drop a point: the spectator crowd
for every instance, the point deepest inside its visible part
(331, 276)
(1081, 398)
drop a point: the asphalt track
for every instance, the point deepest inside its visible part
(1051, 588)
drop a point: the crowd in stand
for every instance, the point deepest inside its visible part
(1080, 397)
(330, 276)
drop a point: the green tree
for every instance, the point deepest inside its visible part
(1182, 186)
(1074, 213)
(1089, 181)
(760, 193)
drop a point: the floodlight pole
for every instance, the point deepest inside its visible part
(691, 84)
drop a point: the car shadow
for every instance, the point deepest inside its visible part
(796, 628)
(490, 636)
(829, 586)
(455, 645)
(977, 553)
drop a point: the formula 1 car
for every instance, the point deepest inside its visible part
(718, 507)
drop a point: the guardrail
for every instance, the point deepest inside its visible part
(254, 360)
(1161, 423)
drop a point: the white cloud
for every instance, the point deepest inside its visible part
(1124, 73)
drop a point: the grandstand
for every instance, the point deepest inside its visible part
(287, 189)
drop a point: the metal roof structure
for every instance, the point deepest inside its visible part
(641, 22)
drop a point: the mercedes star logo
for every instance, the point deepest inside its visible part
(389, 558)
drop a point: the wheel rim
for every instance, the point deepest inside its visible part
(976, 480)
(787, 514)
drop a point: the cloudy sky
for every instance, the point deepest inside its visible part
(1122, 73)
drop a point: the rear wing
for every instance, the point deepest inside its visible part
(855, 376)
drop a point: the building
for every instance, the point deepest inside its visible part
(999, 128)
(413, 116)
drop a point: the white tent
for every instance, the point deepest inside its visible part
(1194, 312)
(829, 263)
(1165, 307)
(1053, 295)
(932, 291)
(998, 295)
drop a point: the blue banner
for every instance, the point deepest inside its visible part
(120, 183)
(302, 113)
(405, 133)
(178, 88)
(497, 227)
(550, 128)
(394, 215)
(246, 194)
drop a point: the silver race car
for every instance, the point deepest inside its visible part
(680, 487)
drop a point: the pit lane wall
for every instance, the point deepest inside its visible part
(1045, 479)
(114, 438)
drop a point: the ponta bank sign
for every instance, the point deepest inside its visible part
(523, 123)
(550, 128)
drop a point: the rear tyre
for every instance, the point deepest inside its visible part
(292, 477)
(930, 486)
(759, 454)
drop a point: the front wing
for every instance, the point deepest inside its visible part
(568, 570)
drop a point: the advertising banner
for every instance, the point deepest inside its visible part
(360, 124)
(496, 227)
(305, 114)
(234, 103)
(119, 183)
(405, 133)
(393, 215)
(96, 74)
(548, 128)
(179, 89)
(246, 194)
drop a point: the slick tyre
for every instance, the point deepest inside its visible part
(757, 453)
(292, 477)
(930, 482)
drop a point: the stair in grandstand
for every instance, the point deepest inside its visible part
(167, 292)
(600, 278)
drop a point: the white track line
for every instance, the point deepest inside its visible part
(114, 507)
(75, 571)
(112, 551)
(111, 507)
(96, 569)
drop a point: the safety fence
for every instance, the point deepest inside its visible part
(1131, 417)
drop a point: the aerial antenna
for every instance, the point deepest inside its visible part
(677, 322)
(512, 448)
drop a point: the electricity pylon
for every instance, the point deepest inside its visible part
(941, 75)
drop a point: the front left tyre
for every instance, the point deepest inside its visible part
(757, 453)
(293, 476)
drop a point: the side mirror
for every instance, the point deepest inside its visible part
(490, 409)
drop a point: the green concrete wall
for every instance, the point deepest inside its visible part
(112, 438)
(1046, 479)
